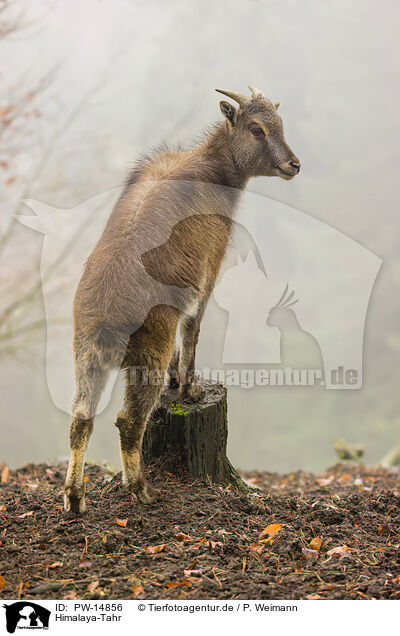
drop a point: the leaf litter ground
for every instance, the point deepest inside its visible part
(301, 536)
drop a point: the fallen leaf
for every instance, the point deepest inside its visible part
(345, 477)
(4, 474)
(183, 536)
(137, 590)
(213, 544)
(93, 586)
(222, 531)
(256, 548)
(309, 555)
(195, 573)
(155, 549)
(325, 481)
(327, 541)
(171, 584)
(56, 564)
(313, 597)
(25, 514)
(2, 508)
(341, 551)
(315, 544)
(3, 582)
(122, 522)
(271, 530)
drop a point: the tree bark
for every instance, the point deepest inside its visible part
(190, 439)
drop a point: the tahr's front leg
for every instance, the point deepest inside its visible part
(189, 389)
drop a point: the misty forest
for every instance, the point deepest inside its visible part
(279, 478)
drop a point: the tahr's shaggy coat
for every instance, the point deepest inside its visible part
(153, 270)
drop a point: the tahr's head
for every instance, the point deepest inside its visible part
(256, 134)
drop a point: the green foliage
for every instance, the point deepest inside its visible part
(178, 409)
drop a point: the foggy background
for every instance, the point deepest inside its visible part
(86, 87)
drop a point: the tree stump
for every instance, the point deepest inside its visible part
(190, 439)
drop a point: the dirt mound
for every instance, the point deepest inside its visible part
(335, 535)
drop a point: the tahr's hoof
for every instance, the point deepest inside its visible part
(191, 392)
(144, 493)
(73, 501)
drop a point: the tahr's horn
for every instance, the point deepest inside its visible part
(241, 99)
(255, 92)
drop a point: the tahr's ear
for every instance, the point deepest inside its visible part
(228, 111)
(277, 104)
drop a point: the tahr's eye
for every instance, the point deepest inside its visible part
(257, 131)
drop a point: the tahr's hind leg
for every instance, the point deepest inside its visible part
(90, 380)
(140, 400)
(149, 352)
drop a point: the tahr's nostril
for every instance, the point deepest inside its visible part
(295, 165)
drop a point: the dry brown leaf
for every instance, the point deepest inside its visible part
(171, 584)
(5, 474)
(315, 544)
(3, 582)
(137, 590)
(56, 564)
(183, 537)
(345, 477)
(2, 508)
(341, 551)
(213, 544)
(325, 481)
(313, 597)
(271, 530)
(223, 531)
(93, 586)
(155, 549)
(309, 555)
(195, 573)
(25, 514)
(122, 522)
(256, 548)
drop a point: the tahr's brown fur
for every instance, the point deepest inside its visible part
(152, 273)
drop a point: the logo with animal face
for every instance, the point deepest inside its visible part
(26, 615)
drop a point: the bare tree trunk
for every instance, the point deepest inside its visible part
(190, 439)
